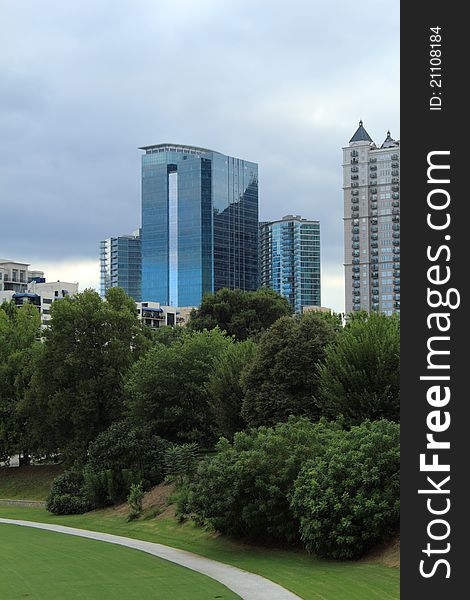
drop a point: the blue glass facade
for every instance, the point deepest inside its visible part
(199, 224)
(121, 265)
(290, 260)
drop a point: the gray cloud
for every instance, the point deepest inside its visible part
(84, 84)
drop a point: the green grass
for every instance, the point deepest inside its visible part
(44, 565)
(308, 577)
(27, 483)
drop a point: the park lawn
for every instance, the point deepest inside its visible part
(44, 565)
(27, 483)
(310, 578)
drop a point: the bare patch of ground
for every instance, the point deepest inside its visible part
(387, 554)
(155, 503)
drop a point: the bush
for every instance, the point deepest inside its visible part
(135, 500)
(348, 499)
(360, 375)
(181, 461)
(243, 490)
(120, 456)
(67, 495)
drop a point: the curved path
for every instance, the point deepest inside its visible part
(247, 585)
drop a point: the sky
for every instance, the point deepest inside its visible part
(83, 84)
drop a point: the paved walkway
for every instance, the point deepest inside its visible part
(247, 585)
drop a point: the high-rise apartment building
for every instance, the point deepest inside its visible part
(371, 183)
(290, 260)
(199, 223)
(121, 264)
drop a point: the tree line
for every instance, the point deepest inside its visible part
(287, 404)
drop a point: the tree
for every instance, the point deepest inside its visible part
(166, 388)
(360, 375)
(282, 378)
(239, 313)
(19, 343)
(244, 489)
(348, 500)
(122, 447)
(225, 389)
(76, 390)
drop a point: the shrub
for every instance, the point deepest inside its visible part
(348, 499)
(243, 490)
(67, 495)
(181, 461)
(120, 456)
(135, 499)
(123, 447)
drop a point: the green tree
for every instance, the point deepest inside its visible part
(244, 489)
(360, 375)
(225, 390)
(19, 343)
(122, 447)
(348, 500)
(166, 388)
(76, 389)
(239, 313)
(282, 378)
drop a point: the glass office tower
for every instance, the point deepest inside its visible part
(121, 264)
(199, 224)
(290, 260)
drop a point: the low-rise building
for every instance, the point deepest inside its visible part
(156, 315)
(26, 286)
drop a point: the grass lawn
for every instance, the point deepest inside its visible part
(44, 565)
(27, 483)
(306, 576)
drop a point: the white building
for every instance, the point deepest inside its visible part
(26, 286)
(49, 292)
(155, 315)
(371, 184)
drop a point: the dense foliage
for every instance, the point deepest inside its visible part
(225, 390)
(19, 335)
(167, 387)
(243, 490)
(67, 495)
(76, 389)
(240, 314)
(282, 378)
(120, 456)
(348, 499)
(359, 377)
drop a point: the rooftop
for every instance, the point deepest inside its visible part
(361, 135)
(170, 147)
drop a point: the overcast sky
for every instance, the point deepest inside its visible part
(84, 83)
